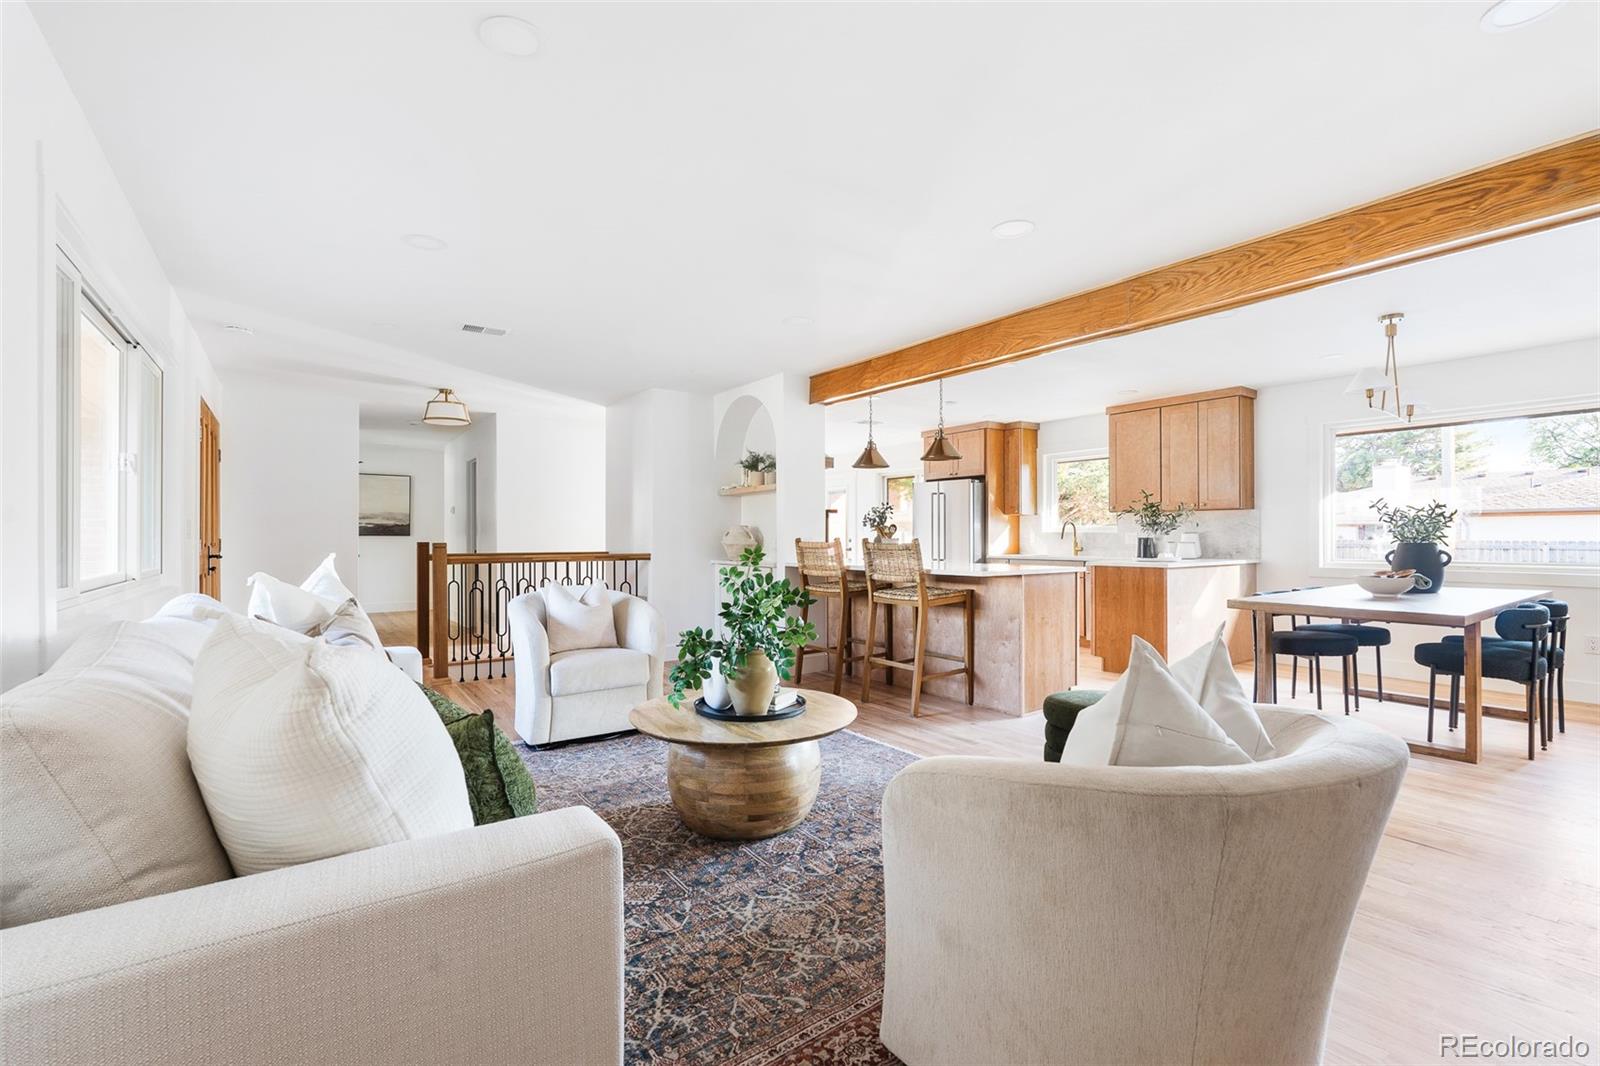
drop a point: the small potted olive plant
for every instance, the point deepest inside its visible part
(1418, 533)
(751, 465)
(880, 520)
(1155, 522)
(761, 637)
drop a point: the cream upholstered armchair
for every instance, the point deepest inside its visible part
(587, 692)
(1040, 913)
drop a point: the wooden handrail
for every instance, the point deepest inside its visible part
(462, 597)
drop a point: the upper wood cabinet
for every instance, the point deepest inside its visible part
(973, 444)
(1135, 456)
(1197, 450)
(1019, 484)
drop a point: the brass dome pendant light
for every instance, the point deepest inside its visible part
(870, 458)
(940, 450)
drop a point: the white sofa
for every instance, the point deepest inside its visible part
(586, 692)
(127, 939)
(1040, 913)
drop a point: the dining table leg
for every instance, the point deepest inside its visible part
(1472, 682)
(1262, 621)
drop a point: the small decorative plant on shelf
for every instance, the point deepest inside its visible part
(769, 469)
(761, 637)
(880, 520)
(1418, 533)
(751, 465)
(1155, 521)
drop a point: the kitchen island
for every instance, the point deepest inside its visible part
(1024, 631)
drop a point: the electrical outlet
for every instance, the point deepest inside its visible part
(1591, 645)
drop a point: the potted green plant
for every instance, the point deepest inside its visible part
(880, 520)
(751, 465)
(769, 469)
(761, 637)
(1418, 533)
(1155, 522)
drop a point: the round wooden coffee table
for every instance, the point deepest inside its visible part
(743, 780)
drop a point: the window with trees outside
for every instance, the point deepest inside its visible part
(108, 445)
(900, 493)
(1083, 489)
(1527, 487)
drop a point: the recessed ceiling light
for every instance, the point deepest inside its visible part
(424, 242)
(1127, 392)
(508, 35)
(1514, 14)
(234, 327)
(1333, 355)
(797, 320)
(1012, 228)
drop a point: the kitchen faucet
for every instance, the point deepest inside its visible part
(1077, 545)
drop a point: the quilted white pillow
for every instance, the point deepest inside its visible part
(579, 617)
(1147, 719)
(1207, 675)
(304, 750)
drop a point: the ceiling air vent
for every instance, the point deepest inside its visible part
(487, 331)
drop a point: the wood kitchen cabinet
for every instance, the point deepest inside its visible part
(1176, 607)
(970, 442)
(1196, 450)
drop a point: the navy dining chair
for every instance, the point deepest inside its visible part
(1518, 652)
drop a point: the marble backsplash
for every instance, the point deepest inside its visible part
(1223, 535)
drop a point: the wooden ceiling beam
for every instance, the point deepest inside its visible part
(1551, 186)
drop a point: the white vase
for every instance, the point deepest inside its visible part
(714, 690)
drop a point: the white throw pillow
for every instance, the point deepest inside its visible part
(1147, 719)
(324, 581)
(289, 606)
(304, 750)
(579, 617)
(351, 628)
(1207, 675)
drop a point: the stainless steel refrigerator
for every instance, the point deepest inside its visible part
(949, 521)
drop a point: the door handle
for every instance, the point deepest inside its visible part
(211, 560)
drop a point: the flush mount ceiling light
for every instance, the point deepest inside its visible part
(1514, 14)
(423, 242)
(797, 321)
(445, 410)
(234, 327)
(940, 450)
(870, 458)
(1382, 387)
(508, 35)
(1012, 228)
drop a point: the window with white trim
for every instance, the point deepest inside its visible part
(1527, 488)
(108, 445)
(1082, 489)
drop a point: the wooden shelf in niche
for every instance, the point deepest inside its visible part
(750, 490)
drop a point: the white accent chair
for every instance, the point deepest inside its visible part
(1046, 913)
(587, 692)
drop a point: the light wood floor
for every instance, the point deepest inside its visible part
(1482, 911)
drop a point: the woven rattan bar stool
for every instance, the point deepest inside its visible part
(895, 578)
(822, 573)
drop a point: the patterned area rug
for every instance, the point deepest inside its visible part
(764, 953)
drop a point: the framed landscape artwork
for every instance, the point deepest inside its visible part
(385, 505)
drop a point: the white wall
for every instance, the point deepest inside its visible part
(1291, 425)
(661, 498)
(55, 185)
(550, 480)
(386, 567)
(289, 462)
(477, 442)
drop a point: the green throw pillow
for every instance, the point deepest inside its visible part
(498, 784)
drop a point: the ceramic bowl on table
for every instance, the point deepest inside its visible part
(1387, 587)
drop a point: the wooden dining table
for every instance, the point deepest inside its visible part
(1462, 607)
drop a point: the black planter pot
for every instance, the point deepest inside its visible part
(1426, 559)
(1149, 547)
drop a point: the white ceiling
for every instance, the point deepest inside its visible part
(1534, 290)
(655, 196)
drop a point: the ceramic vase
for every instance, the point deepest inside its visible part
(1149, 547)
(1426, 559)
(752, 688)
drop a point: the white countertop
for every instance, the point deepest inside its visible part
(1105, 560)
(983, 570)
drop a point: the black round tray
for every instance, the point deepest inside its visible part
(793, 710)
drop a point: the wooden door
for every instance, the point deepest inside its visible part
(1226, 429)
(1135, 456)
(1180, 460)
(210, 503)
